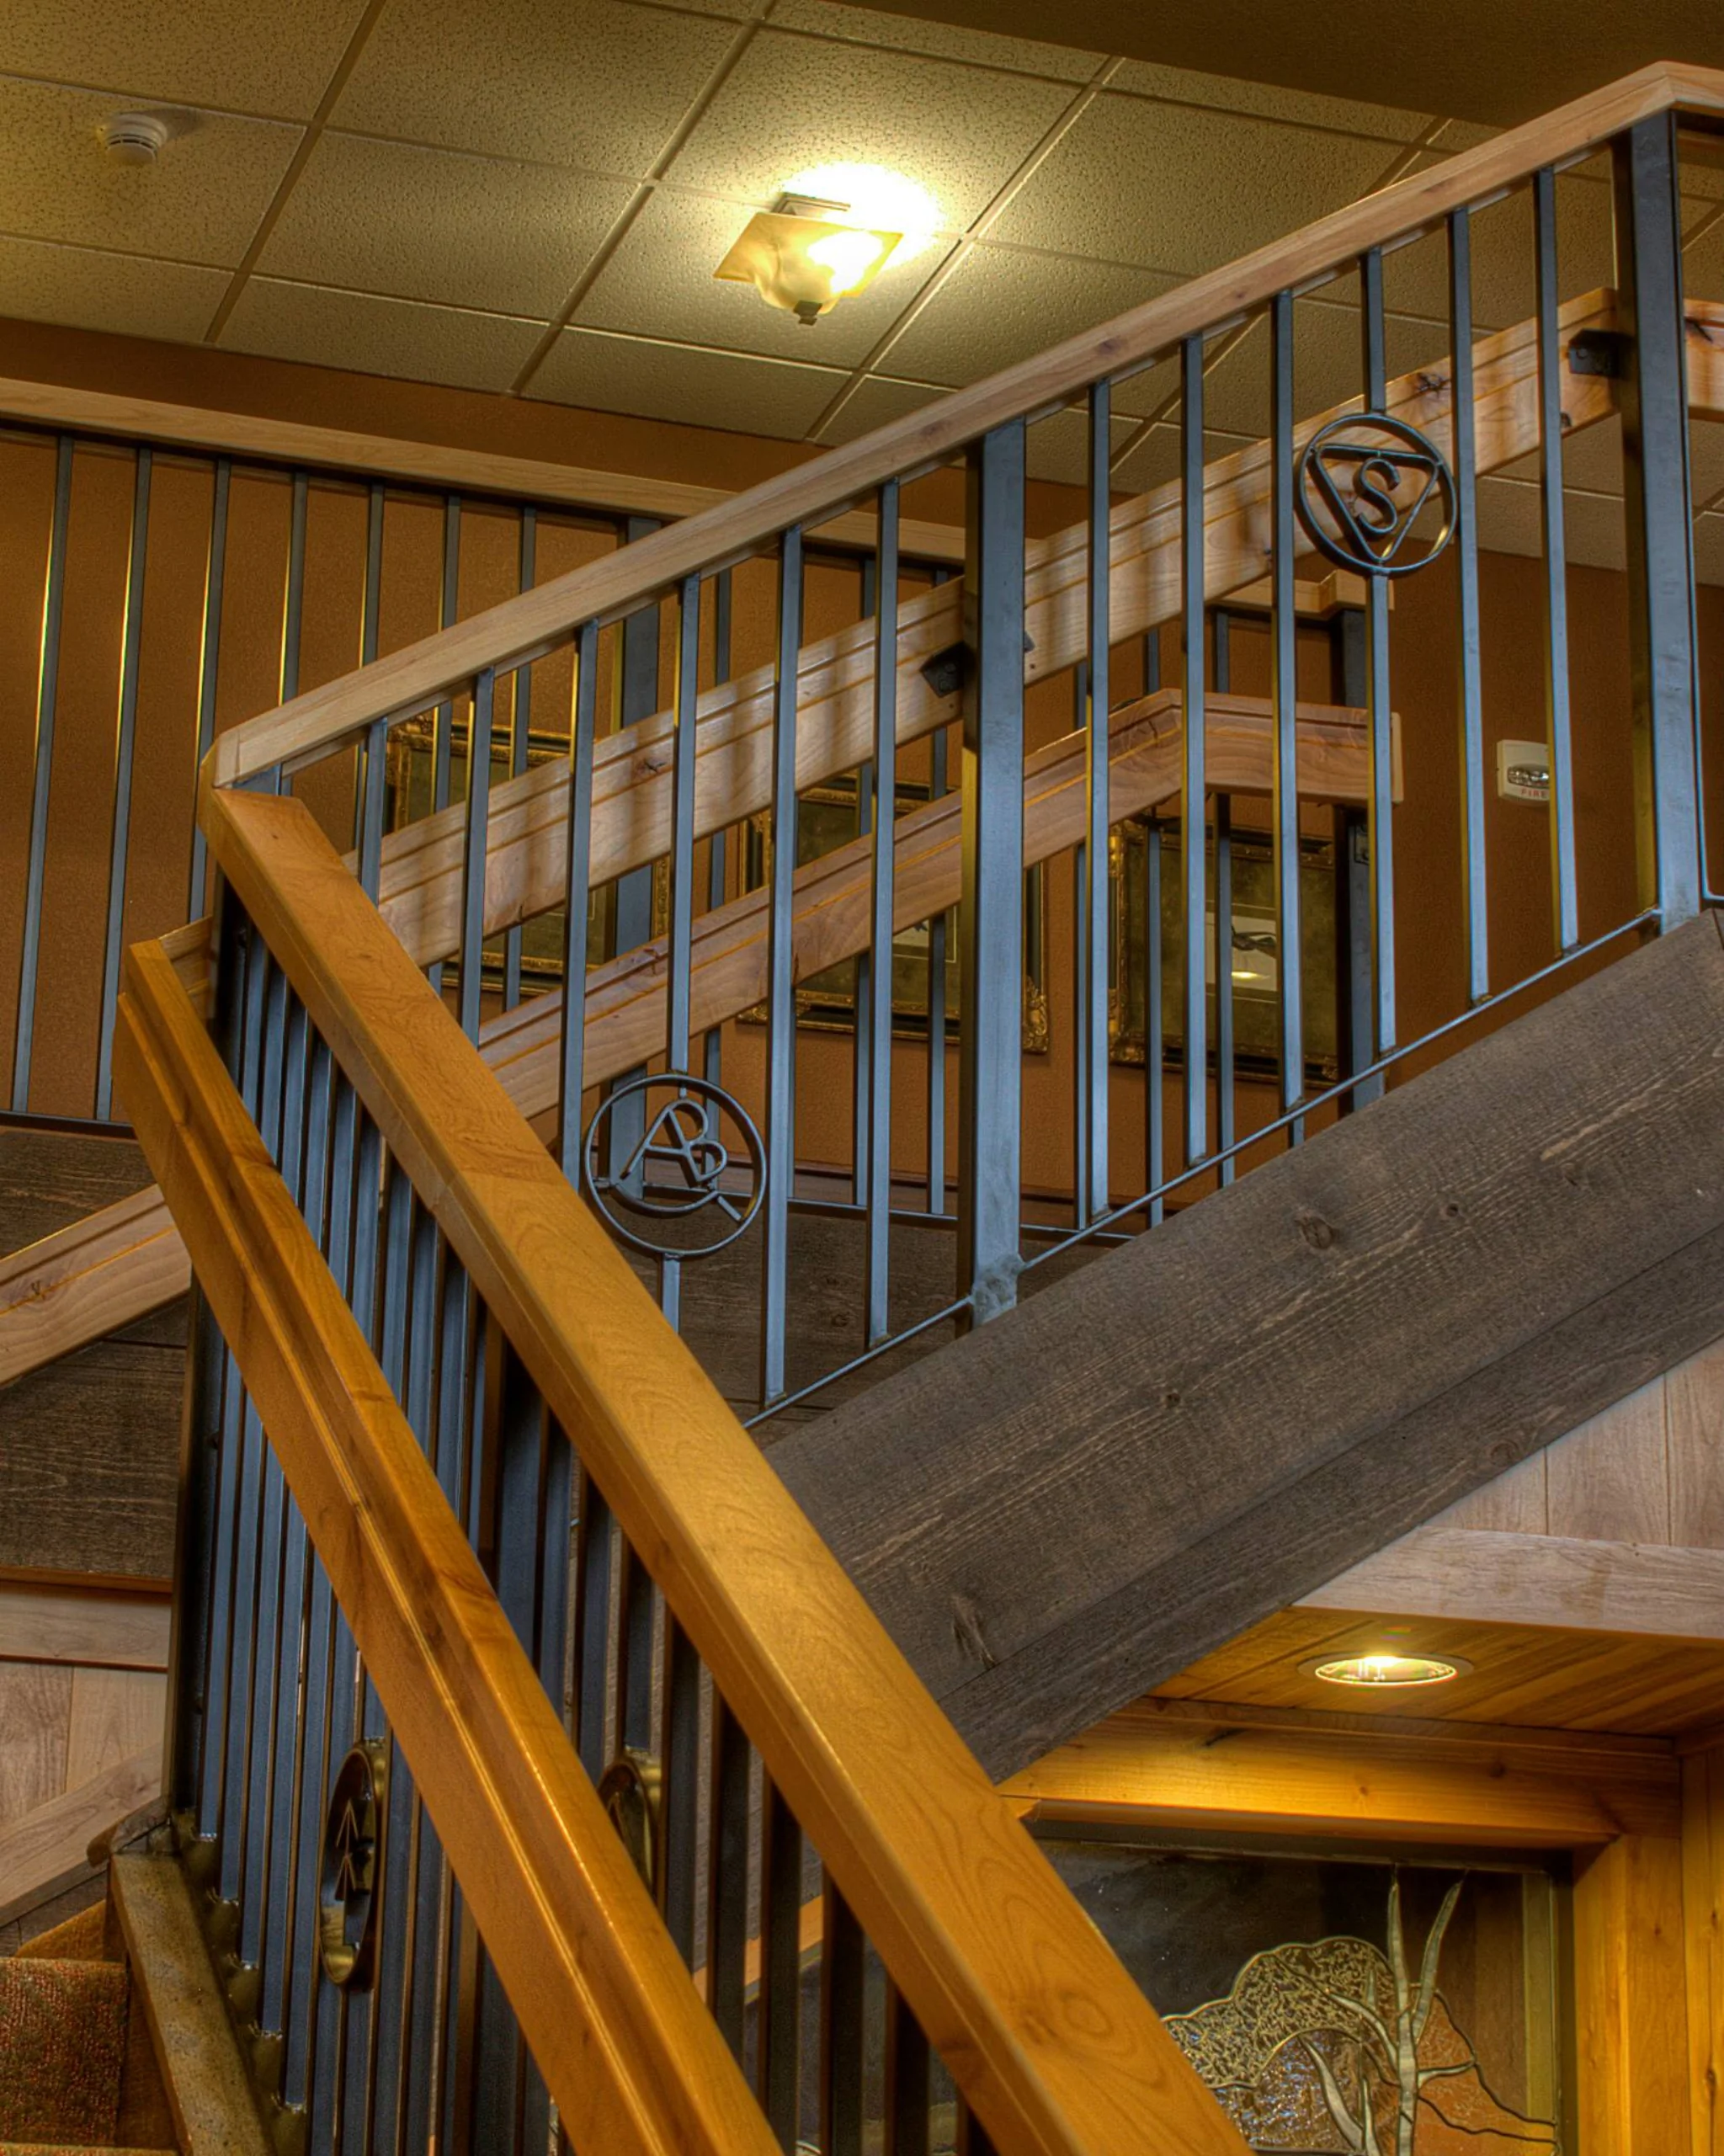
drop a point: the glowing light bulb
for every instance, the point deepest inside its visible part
(1367, 1670)
(849, 256)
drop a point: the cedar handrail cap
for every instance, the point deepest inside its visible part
(536, 622)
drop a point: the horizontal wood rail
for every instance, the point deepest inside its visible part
(128, 1259)
(634, 2061)
(1049, 2042)
(418, 676)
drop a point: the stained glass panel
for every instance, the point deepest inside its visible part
(1343, 2007)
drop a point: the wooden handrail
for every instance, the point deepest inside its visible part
(634, 2061)
(1047, 2037)
(537, 621)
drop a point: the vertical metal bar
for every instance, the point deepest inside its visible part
(716, 849)
(1284, 670)
(780, 982)
(637, 690)
(371, 790)
(679, 956)
(443, 739)
(47, 706)
(1565, 905)
(991, 922)
(877, 1152)
(727, 1877)
(779, 2008)
(636, 1602)
(862, 965)
(1352, 907)
(1224, 922)
(1194, 785)
(293, 600)
(841, 2028)
(1376, 616)
(1090, 863)
(519, 736)
(1659, 485)
(1464, 433)
(593, 1538)
(209, 669)
(578, 882)
(937, 932)
(1154, 1044)
(473, 855)
(126, 739)
(679, 1762)
(908, 2061)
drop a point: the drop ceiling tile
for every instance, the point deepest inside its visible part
(1327, 365)
(1058, 447)
(1230, 93)
(793, 104)
(589, 83)
(996, 306)
(1509, 522)
(126, 294)
(242, 55)
(200, 202)
(372, 336)
(1154, 461)
(938, 40)
(659, 282)
(1703, 262)
(432, 225)
(877, 403)
(699, 388)
(1182, 190)
(1455, 136)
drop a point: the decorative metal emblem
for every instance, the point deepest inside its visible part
(349, 1887)
(689, 1180)
(1362, 483)
(632, 1792)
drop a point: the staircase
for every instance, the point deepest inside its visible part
(75, 2073)
(549, 1757)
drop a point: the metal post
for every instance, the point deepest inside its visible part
(990, 925)
(1353, 889)
(1657, 485)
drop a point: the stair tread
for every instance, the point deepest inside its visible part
(62, 2047)
(79, 1938)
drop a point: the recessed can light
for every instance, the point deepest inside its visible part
(1384, 1672)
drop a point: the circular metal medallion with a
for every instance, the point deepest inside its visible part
(1364, 482)
(674, 1165)
(349, 1884)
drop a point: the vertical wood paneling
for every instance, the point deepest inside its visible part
(115, 1714)
(1694, 1417)
(36, 1705)
(1703, 1924)
(1515, 1504)
(1630, 2004)
(1609, 1480)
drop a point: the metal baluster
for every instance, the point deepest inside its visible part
(877, 1149)
(1565, 903)
(1657, 483)
(1353, 886)
(1284, 666)
(779, 1998)
(862, 967)
(679, 1762)
(1376, 617)
(841, 2027)
(42, 768)
(1472, 730)
(370, 792)
(679, 955)
(938, 747)
(448, 611)
(780, 978)
(573, 1044)
(908, 2079)
(1193, 788)
(973, 2139)
(636, 1611)
(636, 690)
(125, 738)
(716, 850)
(991, 921)
(727, 1877)
(1224, 924)
(1154, 1047)
(519, 738)
(1090, 863)
(594, 1534)
(209, 669)
(473, 855)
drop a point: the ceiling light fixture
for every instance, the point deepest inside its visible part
(1380, 1672)
(804, 256)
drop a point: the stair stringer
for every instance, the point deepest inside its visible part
(1084, 1497)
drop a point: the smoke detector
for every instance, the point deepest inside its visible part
(134, 138)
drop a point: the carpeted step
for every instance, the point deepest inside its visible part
(80, 1938)
(62, 2049)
